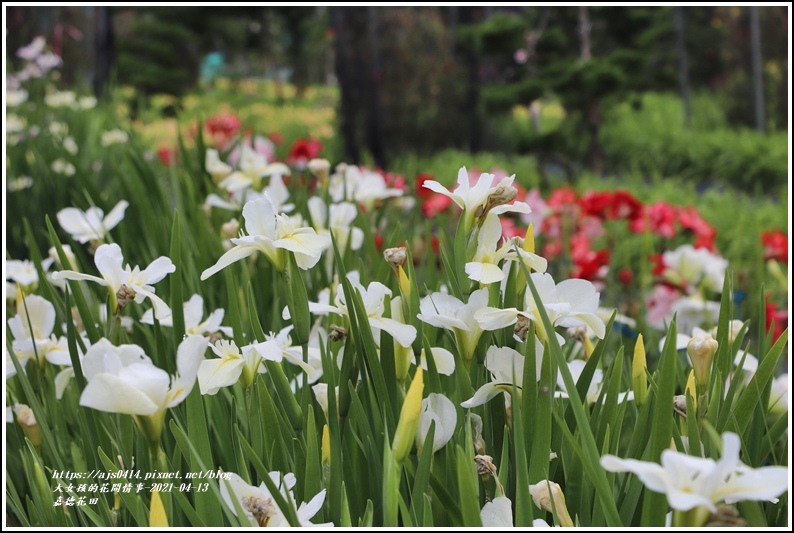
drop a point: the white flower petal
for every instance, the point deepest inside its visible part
(61, 380)
(497, 513)
(439, 409)
(189, 355)
(486, 392)
(112, 394)
(158, 269)
(485, 273)
(492, 318)
(115, 216)
(232, 256)
(402, 333)
(214, 374)
(308, 510)
(443, 359)
(260, 217)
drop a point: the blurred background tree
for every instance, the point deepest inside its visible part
(414, 80)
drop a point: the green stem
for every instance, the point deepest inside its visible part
(695, 517)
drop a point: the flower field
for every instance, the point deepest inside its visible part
(214, 321)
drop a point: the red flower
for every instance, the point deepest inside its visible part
(421, 191)
(775, 245)
(596, 203)
(705, 241)
(658, 264)
(626, 276)
(302, 151)
(379, 242)
(690, 219)
(168, 156)
(624, 205)
(776, 319)
(659, 217)
(588, 264)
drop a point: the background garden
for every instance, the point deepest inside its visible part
(651, 144)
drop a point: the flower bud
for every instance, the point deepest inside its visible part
(734, 327)
(326, 446)
(230, 229)
(529, 239)
(402, 355)
(27, 420)
(409, 418)
(320, 169)
(701, 349)
(638, 379)
(547, 493)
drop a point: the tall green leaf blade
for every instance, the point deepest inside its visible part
(592, 457)
(175, 279)
(654, 506)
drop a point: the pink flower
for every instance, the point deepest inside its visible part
(552, 249)
(563, 197)
(261, 145)
(223, 129)
(552, 227)
(659, 306)
(590, 228)
(509, 228)
(395, 181)
(539, 210)
(437, 203)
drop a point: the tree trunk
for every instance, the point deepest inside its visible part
(758, 79)
(592, 108)
(375, 124)
(104, 47)
(468, 55)
(347, 100)
(683, 64)
(584, 33)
